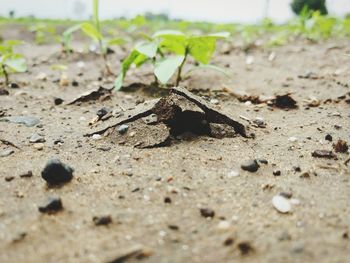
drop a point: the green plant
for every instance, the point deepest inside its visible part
(10, 61)
(42, 32)
(312, 5)
(168, 51)
(93, 30)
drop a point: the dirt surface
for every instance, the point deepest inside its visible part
(190, 201)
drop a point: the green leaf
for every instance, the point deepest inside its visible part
(148, 49)
(91, 31)
(115, 41)
(167, 67)
(67, 36)
(16, 63)
(202, 48)
(96, 19)
(127, 62)
(165, 33)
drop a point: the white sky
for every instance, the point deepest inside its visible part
(211, 10)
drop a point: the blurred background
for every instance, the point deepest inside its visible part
(247, 11)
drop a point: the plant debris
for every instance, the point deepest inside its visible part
(155, 123)
(340, 146)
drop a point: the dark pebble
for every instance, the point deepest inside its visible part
(297, 169)
(9, 178)
(207, 212)
(102, 112)
(53, 205)
(13, 85)
(263, 161)
(4, 92)
(287, 195)
(58, 101)
(245, 248)
(56, 172)
(58, 141)
(75, 83)
(102, 220)
(328, 137)
(122, 129)
(173, 227)
(228, 242)
(250, 166)
(276, 173)
(167, 200)
(26, 174)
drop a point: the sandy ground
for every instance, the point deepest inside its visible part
(131, 185)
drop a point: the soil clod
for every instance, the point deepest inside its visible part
(56, 172)
(284, 102)
(92, 95)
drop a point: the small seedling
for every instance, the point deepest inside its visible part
(168, 50)
(11, 62)
(43, 32)
(93, 30)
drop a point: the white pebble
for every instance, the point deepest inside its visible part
(281, 204)
(214, 101)
(292, 139)
(224, 225)
(233, 173)
(96, 137)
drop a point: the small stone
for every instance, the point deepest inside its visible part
(26, 120)
(173, 227)
(250, 166)
(245, 248)
(214, 101)
(53, 205)
(75, 83)
(292, 139)
(328, 137)
(26, 174)
(36, 138)
(41, 76)
(64, 81)
(13, 85)
(9, 178)
(6, 153)
(55, 172)
(340, 146)
(122, 129)
(276, 173)
(233, 173)
(207, 212)
(39, 146)
(167, 200)
(96, 136)
(224, 225)
(281, 204)
(58, 101)
(263, 161)
(102, 220)
(102, 112)
(228, 241)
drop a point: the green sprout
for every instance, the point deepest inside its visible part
(42, 32)
(11, 62)
(168, 50)
(93, 30)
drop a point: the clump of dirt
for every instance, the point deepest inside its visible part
(175, 116)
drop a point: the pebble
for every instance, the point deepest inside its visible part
(6, 153)
(122, 129)
(250, 166)
(58, 101)
(96, 136)
(214, 101)
(207, 212)
(36, 138)
(281, 204)
(56, 172)
(29, 121)
(224, 225)
(39, 146)
(102, 220)
(276, 173)
(41, 76)
(52, 205)
(233, 173)
(292, 139)
(328, 137)
(102, 112)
